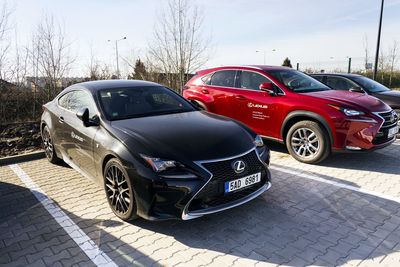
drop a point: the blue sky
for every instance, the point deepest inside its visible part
(304, 30)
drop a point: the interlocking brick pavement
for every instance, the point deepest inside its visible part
(297, 222)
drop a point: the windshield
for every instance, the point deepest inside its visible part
(370, 85)
(297, 81)
(124, 103)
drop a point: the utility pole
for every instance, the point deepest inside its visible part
(116, 54)
(349, 66)
(378, 42)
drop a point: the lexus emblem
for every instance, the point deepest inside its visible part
(238, 166)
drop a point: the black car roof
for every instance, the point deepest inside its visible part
(349, 75)
(94, 86)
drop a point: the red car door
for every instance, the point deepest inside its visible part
(220, 85)
(255, 108)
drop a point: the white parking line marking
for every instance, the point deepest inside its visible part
(337, 184)
(98, 257)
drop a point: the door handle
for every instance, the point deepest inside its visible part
(240, 97)
(205, 91)
(61, 119)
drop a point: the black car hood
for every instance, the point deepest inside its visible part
(392, 98)
(185, 136)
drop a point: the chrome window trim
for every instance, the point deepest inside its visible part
(282, 92)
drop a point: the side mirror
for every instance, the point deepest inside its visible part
(268, 87)
(197, 105)
(83, 115)
(357, 89)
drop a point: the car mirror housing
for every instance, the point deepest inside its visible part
(357, 89)
(268, 87)
(196, 105)
(83, 115)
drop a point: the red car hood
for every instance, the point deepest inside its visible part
(364, 101)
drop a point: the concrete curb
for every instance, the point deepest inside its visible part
(21, 158)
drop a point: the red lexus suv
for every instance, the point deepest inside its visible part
(290, 107)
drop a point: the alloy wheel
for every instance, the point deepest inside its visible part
(305, 143)
(117, 190)
(48, 144)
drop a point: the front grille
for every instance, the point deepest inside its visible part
(213, 194)
(390, 120)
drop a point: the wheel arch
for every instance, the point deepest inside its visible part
(301, 115)
(106, 159)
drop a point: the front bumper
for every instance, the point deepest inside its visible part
(195, 214)
(162, 199)
(362, 134)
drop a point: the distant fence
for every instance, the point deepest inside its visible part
(354, 65)
(334, 65)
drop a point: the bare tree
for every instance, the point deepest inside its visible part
(366, 52)
(178, 47)
(5, 43)
(53, 54)
(393, 50)
(382, 65)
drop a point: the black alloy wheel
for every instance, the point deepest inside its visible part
(119, 191)
(49, 146)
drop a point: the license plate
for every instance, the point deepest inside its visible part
(393, 131)
(242, 182)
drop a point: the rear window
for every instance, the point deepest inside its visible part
(225, 78)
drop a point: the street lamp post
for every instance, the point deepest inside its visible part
(264, 52)
(378, 42)
(116, 53)
(258, 51)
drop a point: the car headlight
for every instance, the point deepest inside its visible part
(352, 112)
(158, 164)
(258, 142)
(348, 112)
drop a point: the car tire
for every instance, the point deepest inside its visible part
(308, 142)
(119, 191)
(48, 146)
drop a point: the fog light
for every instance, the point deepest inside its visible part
(353, 148)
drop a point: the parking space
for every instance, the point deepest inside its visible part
(299, 221)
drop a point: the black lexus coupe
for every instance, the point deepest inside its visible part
(157, 155)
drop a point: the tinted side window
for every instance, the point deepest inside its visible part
(75, 100)
(64, 101)
(206, 79)
(338, 83)
(84, 100)
(319, 78)
(252, 80)
(225, 78)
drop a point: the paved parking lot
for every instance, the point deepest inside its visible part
(345, 211)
